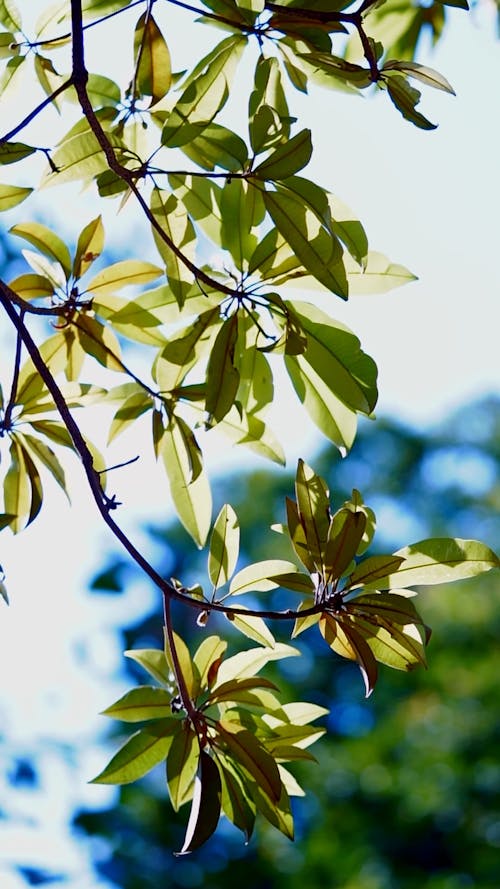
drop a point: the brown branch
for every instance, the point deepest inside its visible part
(80, 78)
(7, 418)
(104, 503)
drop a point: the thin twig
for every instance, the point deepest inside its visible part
(36, 111)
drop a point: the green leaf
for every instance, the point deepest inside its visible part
(190, 345)
(205, 808)
(253, 627)
(206, 93)
(209, 653)
(317, 250)
(142, 703)
(246, 751)
(344, 639)
(144, 750)
(12, 195)
(173, 218)
(46, 241)
(154, 661)
(153, 73)
(122, 274)
(235, 689)
(32, 286)
(17, 488)
(344, 537)
(201, 197)
(191, 496)
(378, 276)
(223, 376)
(248, 663)
(182, 763)
(242, 210)
(438, 560)
(286, 159)
(12, 152)
(99, 341)
(79, 157)
(217, 146)
(10, 15)
(404, 97)
(420, 72)
(131, 409)
(313, 504)
(260, 577)
(224, 547)
(90, 246)
(249, 430)
(373, 568)
(40, 452)
(237, 803)
(328, 412)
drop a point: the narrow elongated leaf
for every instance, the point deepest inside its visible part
(139, 754)
(40, 452)
(10, 15)
(420, 72)
(189, 671)
(242, 210)
(12, 152)
(286, 159)
(205, 94)
(249, 662)
(328, 412)
(201, 197)
(153, 74)
(12, 195)
(373, 568)
(217, 146)
(17, 488)
(344, 536)
(182, 763)
(210, 651)
(379, 275)
(313, 504)
(259, 577)
(405, 98)
(122, 274)
(32, 286)
(46, 241)
(438, 560)
(189, 346)
(154, 661)
(223, 376)
(237, 803)
(140, 704)
(205, 808)
(191, 496)
(253, 627)
(224, 547)
(99, 341)
(90, 246)
(173, 218)
(79, 157)
(317, 250)
(251, 756)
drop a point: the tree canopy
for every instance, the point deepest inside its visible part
(237, 226)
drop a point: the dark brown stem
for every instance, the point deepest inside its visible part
(184, 695)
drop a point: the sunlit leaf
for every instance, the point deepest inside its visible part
(253, 627)
(250, 755)
(142, 703)
(154, 661)
(438, 560)
(153, 73)
(259, 577)
(205, 808)
(139, 754)
(224, 546)
(46, 241)
(182, 763)
(12, 195)
(90, 246)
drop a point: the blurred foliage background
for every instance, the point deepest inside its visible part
(406, 793)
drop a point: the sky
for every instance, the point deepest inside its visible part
(428, 200)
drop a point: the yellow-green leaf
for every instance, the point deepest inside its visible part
(224, 546)
(12, 195)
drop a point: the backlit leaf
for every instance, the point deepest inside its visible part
(205, 808)
(153, 74)
(259, 577)
(182, 763)
(438, 560)
(144, 750)
(224, 547)
(141, 703)
(12, 195)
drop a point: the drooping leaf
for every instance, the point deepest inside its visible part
(314, 511)
(208, 653)
(223, 376)
(153, 73)
(205, 808)
(182, 763)
(90, 246)
(224, 546)
(173, 218)
(246, 750)
(287, 159)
